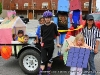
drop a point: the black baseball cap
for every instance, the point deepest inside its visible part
(90, 17)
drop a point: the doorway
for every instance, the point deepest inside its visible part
(30, 14)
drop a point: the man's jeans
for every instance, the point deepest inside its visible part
(92, 70)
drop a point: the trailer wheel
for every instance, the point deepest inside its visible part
(29, 61)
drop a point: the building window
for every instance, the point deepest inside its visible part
(34, 4)
(25, 5)
(45, 5)
(53, 5)
(16, 5)
(86, 5)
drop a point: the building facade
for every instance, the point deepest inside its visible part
(33, 9)
(85, 4)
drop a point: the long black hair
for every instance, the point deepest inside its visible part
(86, 24)
(85, 18)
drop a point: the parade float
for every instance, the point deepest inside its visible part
(68, 19)
(8, 27)
(9, 47)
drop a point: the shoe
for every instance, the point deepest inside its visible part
(48, 73)
(48, 70)
(40, 72)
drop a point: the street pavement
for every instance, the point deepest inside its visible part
(11, 66)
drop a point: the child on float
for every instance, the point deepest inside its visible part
(14, 36)
(20, 36)
(78, 42)
(25, 38)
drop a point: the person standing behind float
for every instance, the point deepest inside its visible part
(48, 31)
(38, 32)
(92, 36)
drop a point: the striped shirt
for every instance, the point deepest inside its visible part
(91, 35)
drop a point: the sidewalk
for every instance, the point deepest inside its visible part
(32, 27)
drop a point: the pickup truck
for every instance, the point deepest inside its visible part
(25, 20)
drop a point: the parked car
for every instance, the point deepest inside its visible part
(1, 20)
(96, 18)
(25, 20)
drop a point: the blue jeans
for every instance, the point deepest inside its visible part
(92, 70)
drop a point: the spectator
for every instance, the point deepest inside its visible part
(92, 35)
(38, 33)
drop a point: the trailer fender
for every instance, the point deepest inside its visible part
(28, 47)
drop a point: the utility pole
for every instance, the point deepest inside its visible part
(33, 8)
(2, 6)
(90, 6)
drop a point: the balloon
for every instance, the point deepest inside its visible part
(6, 52)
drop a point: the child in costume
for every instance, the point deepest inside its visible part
(48, 31)
(78, 42)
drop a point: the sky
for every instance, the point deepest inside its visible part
(98, 4)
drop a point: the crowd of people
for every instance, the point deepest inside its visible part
(89, 38)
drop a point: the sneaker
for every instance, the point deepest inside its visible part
(40, 72)
(48, 73)
(48, 70)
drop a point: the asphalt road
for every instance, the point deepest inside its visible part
(11, 66)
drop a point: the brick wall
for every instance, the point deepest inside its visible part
(8, 4)
(86, 9)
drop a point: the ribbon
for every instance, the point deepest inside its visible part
(79, 27)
